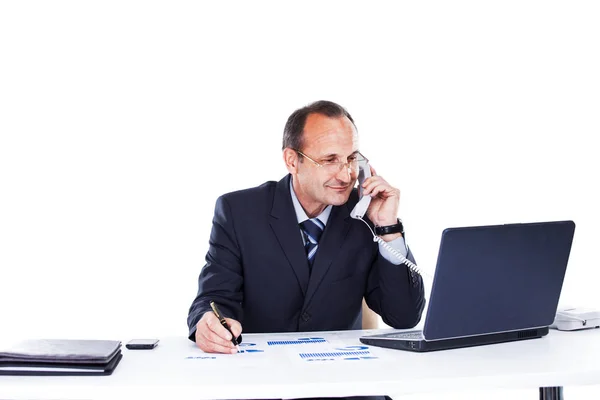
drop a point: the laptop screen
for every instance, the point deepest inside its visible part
(500, 278)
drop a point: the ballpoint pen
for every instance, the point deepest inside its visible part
(221, 318)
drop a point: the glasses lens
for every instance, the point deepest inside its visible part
(335, 167)
(354, 164)
(332, 167)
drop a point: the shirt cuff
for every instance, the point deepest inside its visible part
(397, 244)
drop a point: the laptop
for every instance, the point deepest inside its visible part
(492, 284)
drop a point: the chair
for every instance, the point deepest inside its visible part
(370, 319)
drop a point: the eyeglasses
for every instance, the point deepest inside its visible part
(334, 167)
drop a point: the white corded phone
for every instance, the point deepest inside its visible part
(575, 318)
(360, 210)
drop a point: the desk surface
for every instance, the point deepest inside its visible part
(342, 367)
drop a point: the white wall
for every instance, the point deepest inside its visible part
(121, 122)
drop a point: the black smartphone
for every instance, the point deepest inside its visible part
(142, 344)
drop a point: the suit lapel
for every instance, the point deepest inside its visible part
(285, 225)
(333, 237)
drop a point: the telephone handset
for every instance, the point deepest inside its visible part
(360, 210)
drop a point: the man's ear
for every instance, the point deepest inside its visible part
(290, 157)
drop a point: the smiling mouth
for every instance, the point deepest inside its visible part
(339, 188)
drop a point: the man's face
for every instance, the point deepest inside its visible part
(327, 139)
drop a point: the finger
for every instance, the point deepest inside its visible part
(235, 326)
(215, 325)
(384, 191)
(376, 183)
(211, 347)
(371, 179)
(380, 191)
(373, 172)
(216, 338)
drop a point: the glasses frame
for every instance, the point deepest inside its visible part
(342, 164)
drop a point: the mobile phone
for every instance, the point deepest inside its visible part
(142, 344)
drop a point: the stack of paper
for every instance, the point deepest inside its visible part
(61, 357)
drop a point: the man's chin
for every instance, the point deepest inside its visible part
(338, 198)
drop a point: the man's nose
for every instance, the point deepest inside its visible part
(345, 173)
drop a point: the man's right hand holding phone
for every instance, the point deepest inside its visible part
(212, 337)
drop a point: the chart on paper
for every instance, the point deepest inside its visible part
(297, 349)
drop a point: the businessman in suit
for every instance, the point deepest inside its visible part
(287, 257)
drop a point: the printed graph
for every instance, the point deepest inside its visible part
(347, 353)
(296, 341)
(334, 354)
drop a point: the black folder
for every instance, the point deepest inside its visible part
(61, 357)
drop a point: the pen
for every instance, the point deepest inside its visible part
(221, 318)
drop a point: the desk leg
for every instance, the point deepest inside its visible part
(551, 393)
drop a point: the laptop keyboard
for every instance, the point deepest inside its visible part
(412, 335)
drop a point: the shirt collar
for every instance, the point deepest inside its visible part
(301, 215)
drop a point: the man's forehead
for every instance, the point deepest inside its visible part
(340, 155)
(316, 119)
(319, 128)
(332, 144)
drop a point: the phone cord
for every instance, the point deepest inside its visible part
(396, 253)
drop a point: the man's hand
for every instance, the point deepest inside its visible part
(212, 337)
(385, 202)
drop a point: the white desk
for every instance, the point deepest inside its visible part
(559, 359)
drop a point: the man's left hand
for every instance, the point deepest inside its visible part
(385, 201)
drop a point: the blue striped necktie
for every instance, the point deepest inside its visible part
(312, 230)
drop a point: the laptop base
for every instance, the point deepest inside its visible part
(386, 340)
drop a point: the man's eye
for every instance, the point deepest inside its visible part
(351, 159)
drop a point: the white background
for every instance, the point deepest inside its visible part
(121, 123)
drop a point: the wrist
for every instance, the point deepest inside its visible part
(394, 228)
(387, 222)
(391, 237)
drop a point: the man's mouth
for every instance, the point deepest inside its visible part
(339, 188)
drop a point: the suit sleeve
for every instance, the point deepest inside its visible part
(221, 279)
(395, 292)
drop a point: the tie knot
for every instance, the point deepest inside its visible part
(313, 228)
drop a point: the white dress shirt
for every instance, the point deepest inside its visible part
(397, 244)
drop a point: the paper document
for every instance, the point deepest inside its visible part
(293, 348)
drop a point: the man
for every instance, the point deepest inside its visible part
(287, 257)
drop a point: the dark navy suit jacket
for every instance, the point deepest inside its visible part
(256, 269)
